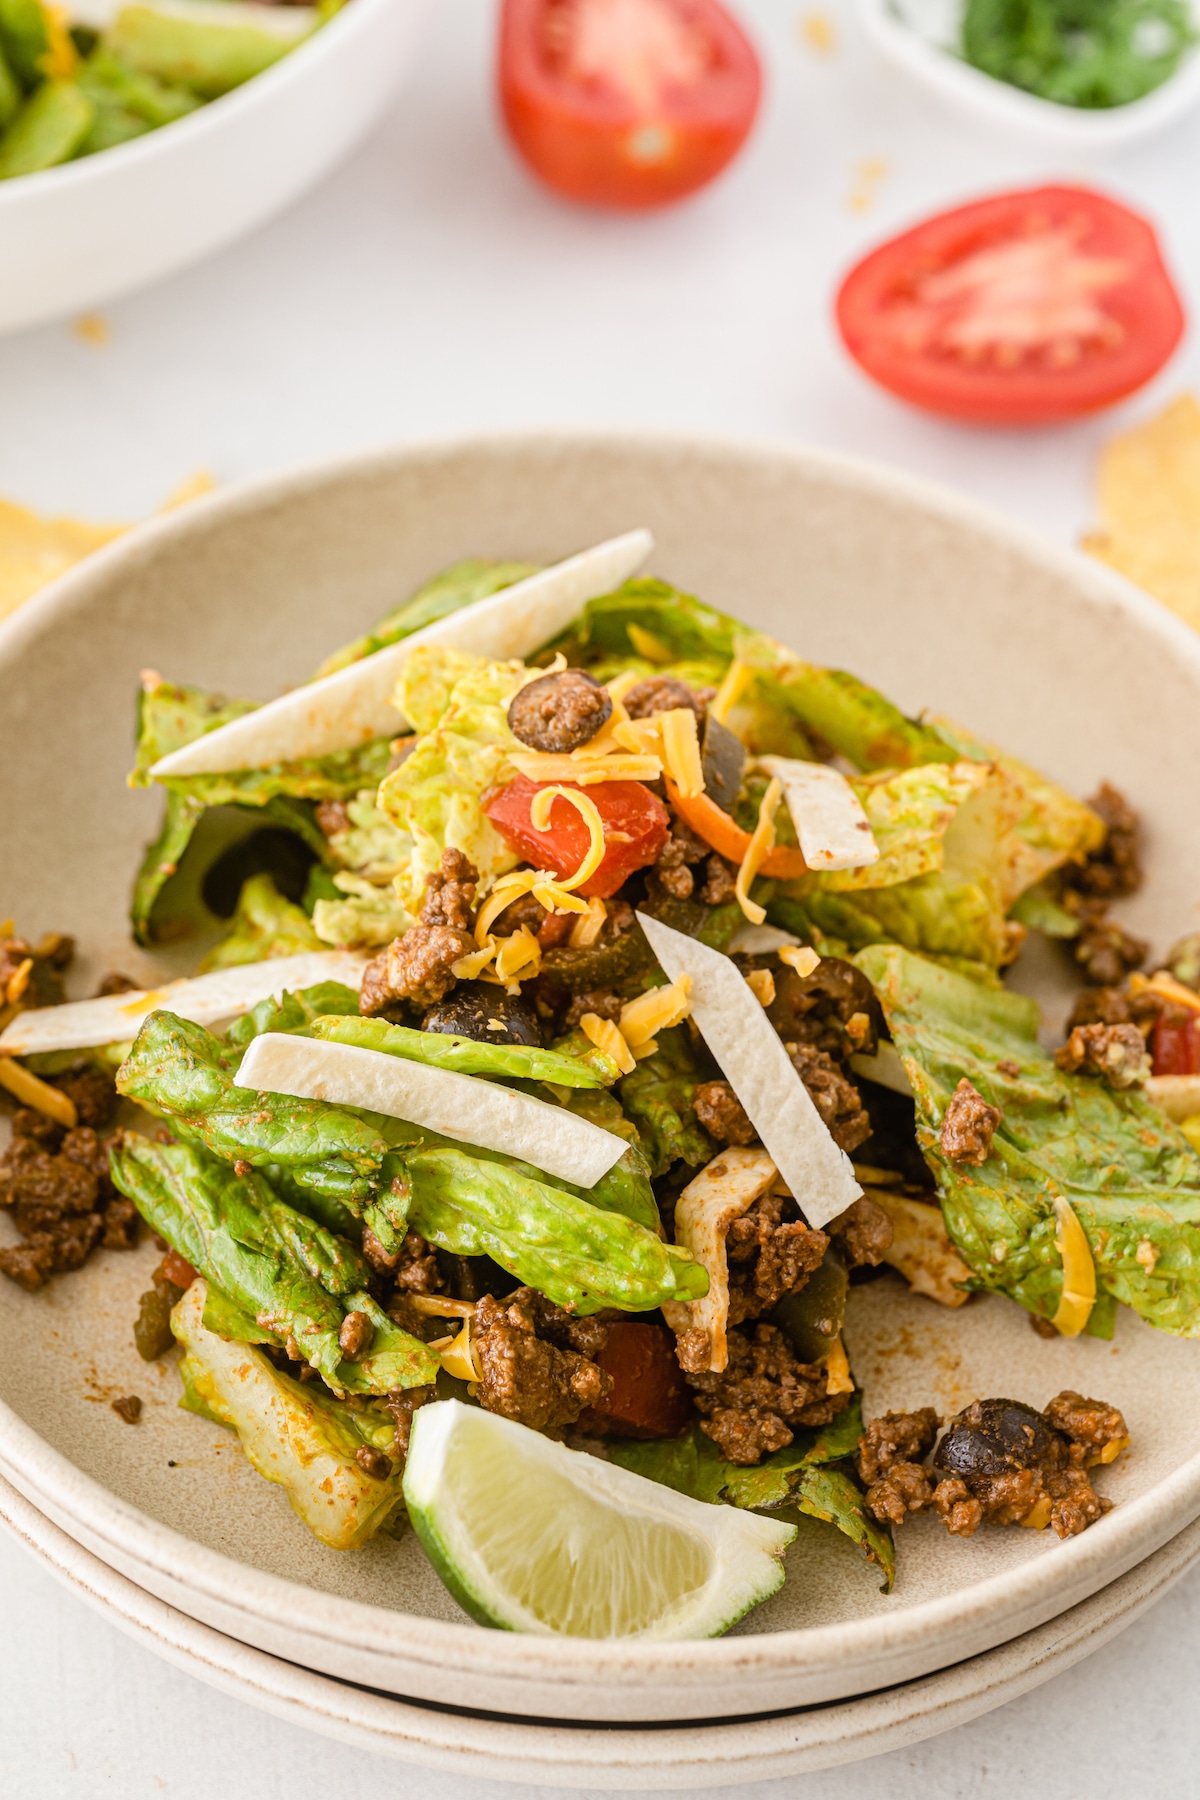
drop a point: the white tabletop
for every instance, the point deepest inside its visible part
(429, 287)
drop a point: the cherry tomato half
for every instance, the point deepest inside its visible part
(1019, 310)
(628, 103)
(635, 829)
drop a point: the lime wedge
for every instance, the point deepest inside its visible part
(531, 1536)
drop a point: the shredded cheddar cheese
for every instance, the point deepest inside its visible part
(762, 984)
(609, 1040)
(648, 646)
(588, 925)
(538, 765)
(518, 955)
(838, 1379)
(620, 685)
(459, 1355)
(1164, 983)
(545, 888)
(761, 844)
(800, 958)
(31, 1090)
(738, 677)
(471, 966)
(1079, 1272)
(681, 750)
(641, 737)
(539, 814)
(656, 1010)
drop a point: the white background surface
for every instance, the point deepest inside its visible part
(430, 287)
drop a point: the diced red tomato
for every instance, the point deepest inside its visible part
(628, 103)
(1019, 310)
(635, 829)
(649, 1397)
(1175, 1044)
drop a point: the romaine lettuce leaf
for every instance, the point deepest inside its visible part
(458, 705)
(298, 1436)
(1131, 1176)
(659, 1097)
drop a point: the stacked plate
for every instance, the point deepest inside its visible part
(166, 1525)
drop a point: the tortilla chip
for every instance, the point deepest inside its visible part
(1149, 488)
(498, 1118)
(34, 551)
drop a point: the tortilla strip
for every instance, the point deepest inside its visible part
(921, 1248)
(462, 1107)
(724, 1189)
(356, 704)
(115, 1018)
(886, 1068)
(754, 1061)
(830, 823)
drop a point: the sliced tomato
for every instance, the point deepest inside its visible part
(635, 823)
(1019, 310)
(649, 1396)
(1175, 1044)
(628, 103)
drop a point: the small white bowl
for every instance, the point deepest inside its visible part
(924, 52)
(84, 233)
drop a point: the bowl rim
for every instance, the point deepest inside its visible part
(349, 21)
(1004, 104)
(1081, 1565)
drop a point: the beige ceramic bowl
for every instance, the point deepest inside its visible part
(941, 604)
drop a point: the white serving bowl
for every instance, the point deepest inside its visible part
(78, 235)
(916, 40)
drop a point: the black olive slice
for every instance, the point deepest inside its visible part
(485, 1013)
(561, 712)
(722, 761)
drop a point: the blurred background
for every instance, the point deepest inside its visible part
(431, 285)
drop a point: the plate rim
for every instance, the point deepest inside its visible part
(454, 1739)
(1083, 1565)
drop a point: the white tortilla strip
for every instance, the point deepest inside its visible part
(724, 1189)
(755, 1063)
(760, 940)
(921, 1249)
(203, 999)
(356, 704)
(832, 827)
(458, 1106)
(885, 1067)
(1176, 1095)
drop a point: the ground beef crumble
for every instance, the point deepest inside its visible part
(835, 1098)
(722, 1114)
(537, 1360)
(968, 1126)
(1116, 1053)
(417, 966)
(769, 1257)
(1000, 1463)
(56, 1185)
(763, 1395)
(663, 693)
(863, 1234)
(1104, 950)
